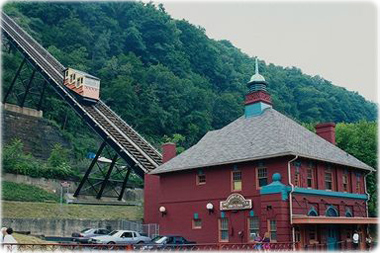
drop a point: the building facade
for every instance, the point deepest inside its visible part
(261, 173)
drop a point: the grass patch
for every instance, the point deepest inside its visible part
(12, 209)
(23, 192)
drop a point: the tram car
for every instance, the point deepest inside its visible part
(83, 84)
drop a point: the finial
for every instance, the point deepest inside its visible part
(256, 67)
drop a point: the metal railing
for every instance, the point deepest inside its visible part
(60, 247)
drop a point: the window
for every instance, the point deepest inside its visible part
(297, 234)
(358, 184)
(253, 227)
(197, 223)
(328, 179)
(67, 73)
(309, 177)
(262, 176)
(127, 235)
(273, 230)
(201, 177)
(312, 233)
(348, 212)
(236, 181)
(223, 230)
(297, 181)
(81, 80)
(345, 181)
(332, 212)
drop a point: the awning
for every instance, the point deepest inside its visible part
(303, 219)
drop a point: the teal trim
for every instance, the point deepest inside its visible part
(251, 213)
(312, 212)
(222, 215)
(196, 216)
(331, 212)
(276, 187)
(330, 193)
(255, 109)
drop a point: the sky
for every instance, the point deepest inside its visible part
(335, 40)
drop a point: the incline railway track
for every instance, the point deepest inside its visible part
(131, 146)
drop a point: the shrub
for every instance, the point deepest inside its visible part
(23, 192)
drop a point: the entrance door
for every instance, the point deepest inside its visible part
(332, 237)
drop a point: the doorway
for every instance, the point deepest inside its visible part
(332, 237)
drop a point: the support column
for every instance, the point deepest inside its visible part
(42, 96)
(85, 177)
(99, 195)
(124, 184)
(27, 88)
(14, 80)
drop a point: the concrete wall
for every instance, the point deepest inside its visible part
(57, 227)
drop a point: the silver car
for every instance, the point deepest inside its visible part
(121, 237)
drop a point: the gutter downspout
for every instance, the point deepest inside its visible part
(365, 190)
(368, 197)
(291, 202)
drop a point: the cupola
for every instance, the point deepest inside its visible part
(257, 99)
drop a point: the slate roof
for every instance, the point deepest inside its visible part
(271, 134)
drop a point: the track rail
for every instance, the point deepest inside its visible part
(131, 146)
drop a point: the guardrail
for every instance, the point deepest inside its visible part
(65, 247)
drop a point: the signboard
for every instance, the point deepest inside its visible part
(235, 202)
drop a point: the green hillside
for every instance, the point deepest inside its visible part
(165, 76)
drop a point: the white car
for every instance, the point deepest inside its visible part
(121, 237)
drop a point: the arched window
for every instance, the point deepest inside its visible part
(312, 212)
(331, 212)
(348, 212)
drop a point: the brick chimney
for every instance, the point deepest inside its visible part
(326, 131)
(169, 151)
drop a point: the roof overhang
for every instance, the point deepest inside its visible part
(303, 219)
(158, 171)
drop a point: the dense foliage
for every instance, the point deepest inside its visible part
(170, 81)
(23, 192)
(17, 162)
(165, 76)
(360, 140)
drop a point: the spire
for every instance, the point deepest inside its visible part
(257, 99)
(256, 66)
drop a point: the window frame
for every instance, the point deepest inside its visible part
(225, 229)
(249, 227)
(358, 186)
(345, 181)
(310, 176)
(194, 226)
(329, 171)
(269, 227)
(258, 178)
(197, 177)
(233, 180)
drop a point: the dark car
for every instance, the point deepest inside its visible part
(87, 233)
(166, 242)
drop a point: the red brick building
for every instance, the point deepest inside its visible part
(261, 173)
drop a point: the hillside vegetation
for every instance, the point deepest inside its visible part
(171, 82)
(165, 76)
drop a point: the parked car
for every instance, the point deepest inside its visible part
(87, 233)
(166, 242)
(121, 237)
